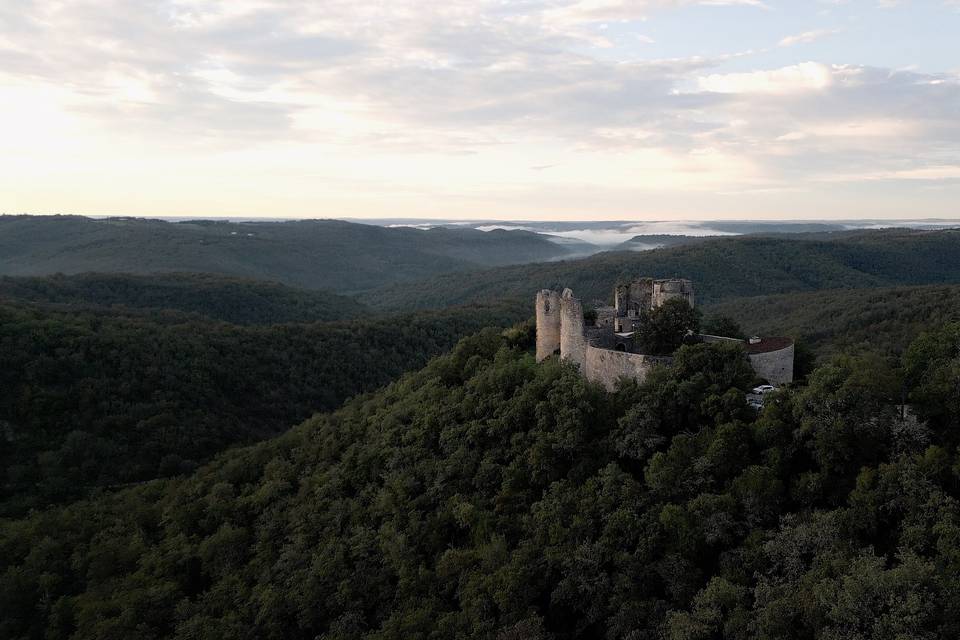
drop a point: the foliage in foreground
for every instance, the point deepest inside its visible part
(489, 497)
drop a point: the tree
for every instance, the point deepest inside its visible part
(717, 325)
(662, 330)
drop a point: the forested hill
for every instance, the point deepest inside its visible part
(720, 268)
(490, 497)
(883, 320)
(234, 300)
(95, 398)
(316, 254)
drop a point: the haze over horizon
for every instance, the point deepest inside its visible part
(533, 110)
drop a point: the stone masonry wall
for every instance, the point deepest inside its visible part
(607, 367)
(548, 323)
(573, 344)
(775, 366)
(664, 290)
(560, 325)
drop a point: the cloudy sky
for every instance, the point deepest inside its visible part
(550, 109)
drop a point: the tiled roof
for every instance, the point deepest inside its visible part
(766, 345)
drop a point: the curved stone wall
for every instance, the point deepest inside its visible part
(775, 366)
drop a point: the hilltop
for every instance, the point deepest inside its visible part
(315, 254)
(489, 497)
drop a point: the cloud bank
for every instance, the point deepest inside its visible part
(412, 108)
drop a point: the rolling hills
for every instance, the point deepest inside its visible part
(234, 300)
(721, 268)
(315, 254)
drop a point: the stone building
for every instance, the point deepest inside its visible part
(605, 352)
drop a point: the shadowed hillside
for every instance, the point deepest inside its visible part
(316, 254)
(98, 397)
(720, 268)
(885, 320)
(219, 297)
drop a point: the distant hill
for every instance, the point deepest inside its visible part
(316, 254)
(224, 298)
(656, 241)
(721, 268)
(883, 320)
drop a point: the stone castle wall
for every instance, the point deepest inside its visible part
(593, 350)
(775, 366)
(607, 367)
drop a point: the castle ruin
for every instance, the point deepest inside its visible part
(605, 351)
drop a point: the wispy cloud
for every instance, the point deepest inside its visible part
(807, 37)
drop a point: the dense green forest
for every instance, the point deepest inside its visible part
(883, 320)
(720, 269)
(316, 254)
(224, 298)
(486, 496)
(96, 398)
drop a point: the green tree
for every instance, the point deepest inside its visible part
(718, 325)
(663, 329)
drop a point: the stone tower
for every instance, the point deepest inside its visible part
(674, 288)
(548, 323)
(573, 344)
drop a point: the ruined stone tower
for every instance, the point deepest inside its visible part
(573, 344)
(548, 323)
(676, 288)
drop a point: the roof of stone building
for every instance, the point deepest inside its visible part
(766, 345)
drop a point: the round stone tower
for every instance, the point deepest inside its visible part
(573, 343)
(548, 323)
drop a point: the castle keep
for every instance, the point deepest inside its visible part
(605, 351)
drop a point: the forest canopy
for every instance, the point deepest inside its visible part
(98, 398)
(488, 496)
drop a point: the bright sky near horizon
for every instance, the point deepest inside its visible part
(526, 109)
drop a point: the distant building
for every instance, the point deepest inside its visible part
(605, 351)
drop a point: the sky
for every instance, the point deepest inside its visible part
(525, 109)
